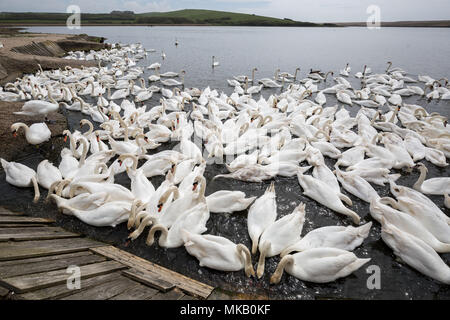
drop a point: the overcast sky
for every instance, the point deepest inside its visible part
(303, 10)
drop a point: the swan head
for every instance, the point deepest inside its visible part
(421, 167)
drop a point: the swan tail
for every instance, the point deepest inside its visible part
(247, 201)
(364, 230)
(358, 263)
(4, 163)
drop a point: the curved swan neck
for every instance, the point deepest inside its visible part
(162, 237)
(36, 189)
(62, 185)
(241, 249)
(91, 127)
(172, 190)
(422, 177)
(276, 277)
(132, 157)
(139, 139)
(16, 126)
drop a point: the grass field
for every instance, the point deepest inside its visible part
(181, 17)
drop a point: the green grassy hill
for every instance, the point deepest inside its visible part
(211, 17)
(181, 17)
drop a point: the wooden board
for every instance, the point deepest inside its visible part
(174, 294)
(139, 292)
(105, 291)
(60, 291)
(43, 266)
(40, 280)
(149, 278)
(191, 286)
(3, 292)
(46, 258)
(6, 212)
(40, 228)
(41, 233)
(20, 225)
(23, 219)
(30, 249)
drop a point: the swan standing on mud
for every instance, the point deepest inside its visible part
(35, 134)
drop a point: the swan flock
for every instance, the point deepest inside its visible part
(289, 134)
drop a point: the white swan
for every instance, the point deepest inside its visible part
(356, 185)
(84, 201)
(438, 186)
(402, 191)
(108, 215)
(141, 187)
(426, 215)
(345, 238)
(37, 133)
(214, 62)
(261, 215)
(319, 265)
(21, 176)
(415, 252)
(47, 174)
(225, 201)
(194, 221)
(280, 235)
(38, 107)
(218, 253)
(379, 209)
(325, 195)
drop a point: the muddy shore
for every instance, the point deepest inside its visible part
(21, 53)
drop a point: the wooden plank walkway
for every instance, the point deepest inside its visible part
(35, 257)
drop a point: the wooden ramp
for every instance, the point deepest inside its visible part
(36, 260)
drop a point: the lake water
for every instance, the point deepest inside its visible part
(239, 49)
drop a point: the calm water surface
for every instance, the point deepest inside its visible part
(239, 49)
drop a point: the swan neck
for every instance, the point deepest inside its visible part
(162, 237)
(37, 194)
(241, 249)
(423, 175)
(276, 277)
(262, 259)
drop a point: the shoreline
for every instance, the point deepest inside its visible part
(150, 25)
(389, 24)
